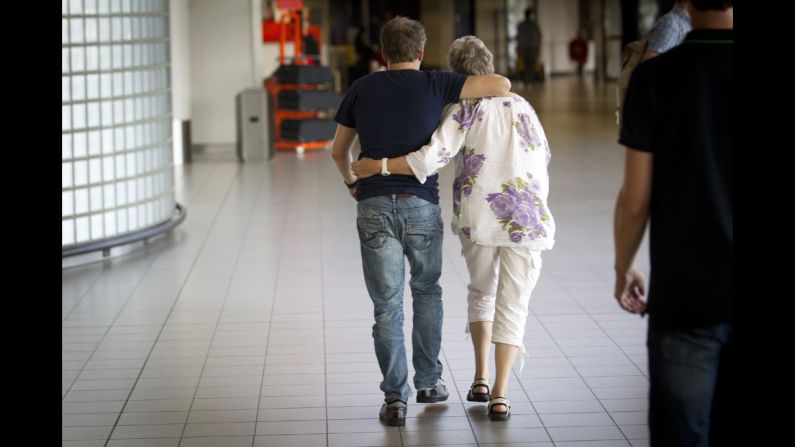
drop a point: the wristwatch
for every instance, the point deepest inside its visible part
(383, 167)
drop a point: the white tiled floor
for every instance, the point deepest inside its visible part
(250, 324)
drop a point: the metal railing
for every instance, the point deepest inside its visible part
(106, 244)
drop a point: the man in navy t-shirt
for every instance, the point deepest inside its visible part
(394, 112)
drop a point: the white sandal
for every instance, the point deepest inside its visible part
(499, 416)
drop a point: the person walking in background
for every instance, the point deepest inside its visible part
(529, 45)
(669, 31)
(578, 51)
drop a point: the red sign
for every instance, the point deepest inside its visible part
(290, 4)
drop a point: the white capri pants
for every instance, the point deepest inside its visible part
(501, 280)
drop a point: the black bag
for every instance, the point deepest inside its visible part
(303, 74)
(308, 130)
(308, 100)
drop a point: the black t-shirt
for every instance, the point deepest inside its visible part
(396, 112)
(680, 107)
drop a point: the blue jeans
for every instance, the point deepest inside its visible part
(390, 228)
(689, 394)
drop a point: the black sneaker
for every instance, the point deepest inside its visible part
(432, 395)
(394, 413)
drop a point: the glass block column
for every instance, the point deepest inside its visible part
(117, 169)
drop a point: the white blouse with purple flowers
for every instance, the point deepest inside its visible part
(501, 184)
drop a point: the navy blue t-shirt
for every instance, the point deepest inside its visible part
(396, 112)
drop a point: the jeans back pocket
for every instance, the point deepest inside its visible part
(372, 231)
(422, 231)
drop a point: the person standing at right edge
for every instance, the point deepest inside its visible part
(678, 130)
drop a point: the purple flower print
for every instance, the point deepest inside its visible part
(468, 169)
(519, 209)
(466, 231)
(539, 230)
(443, 156)
(506, 104)
(502, 205)
(523, 215)
(472, 164)
(514, 193)
(528, 135)
(467, 115)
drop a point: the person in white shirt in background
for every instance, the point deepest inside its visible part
(500, 212)
(669, 31)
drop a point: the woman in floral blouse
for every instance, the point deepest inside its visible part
(500, 212)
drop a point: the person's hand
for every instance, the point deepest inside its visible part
(352, 187)
(631, 290)
(366, 167)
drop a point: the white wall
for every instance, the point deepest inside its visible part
(223, 61)
(179, 27)
(558, 20)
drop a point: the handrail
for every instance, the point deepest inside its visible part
(106, 244)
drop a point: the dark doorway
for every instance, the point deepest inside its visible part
(463, 18)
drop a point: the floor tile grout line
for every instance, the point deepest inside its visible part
(323, 308)
(171, 310)
(590, 316)
(586, 312)
(85, 294)
(228, 287)
(267, 346)
(587, 385)
(108, 328)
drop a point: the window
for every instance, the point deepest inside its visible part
(114, 107)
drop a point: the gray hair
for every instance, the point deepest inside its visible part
(469, 55)
(402, 40)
